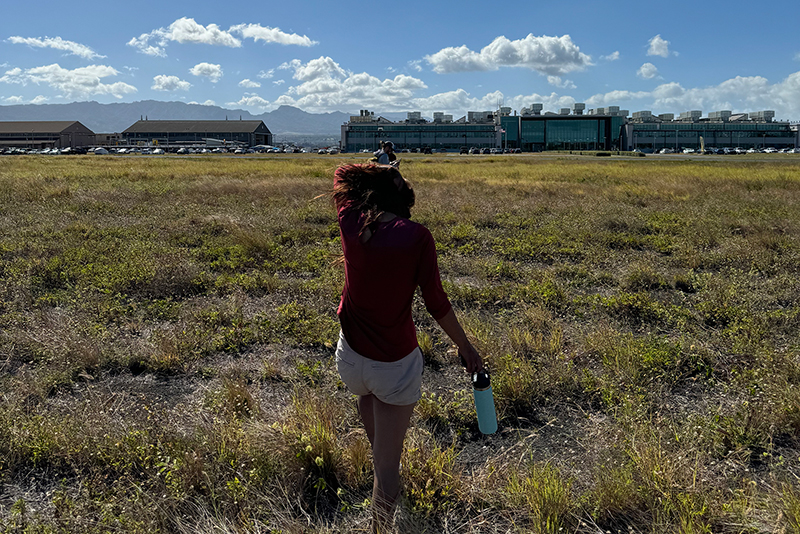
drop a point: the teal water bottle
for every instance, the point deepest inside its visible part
(484, 402)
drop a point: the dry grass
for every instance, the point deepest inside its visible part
(167, 328)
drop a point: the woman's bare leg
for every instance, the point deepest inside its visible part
(390, 425)
(366, 412)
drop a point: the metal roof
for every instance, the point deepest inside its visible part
(37, 126)
(232, 126)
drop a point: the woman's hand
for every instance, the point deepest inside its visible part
(470, 358)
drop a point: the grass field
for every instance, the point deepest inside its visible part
(167, 329)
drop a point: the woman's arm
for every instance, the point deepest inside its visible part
(452, 328)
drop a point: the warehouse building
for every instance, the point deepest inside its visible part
(44, 134)
(171, 133)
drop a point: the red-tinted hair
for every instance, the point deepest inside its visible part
(372, 189)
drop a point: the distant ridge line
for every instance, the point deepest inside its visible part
(116, 117)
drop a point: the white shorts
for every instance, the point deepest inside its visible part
(397, 383)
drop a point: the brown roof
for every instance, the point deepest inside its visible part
(37, 126)
(232, 126)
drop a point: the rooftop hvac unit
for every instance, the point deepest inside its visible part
(642, 114)
(667, 116)
(564, 111)
(765, 116)
(719, 115)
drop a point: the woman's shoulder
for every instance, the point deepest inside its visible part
(418, 231)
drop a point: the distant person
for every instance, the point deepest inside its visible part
(386, 257)
(386, 154)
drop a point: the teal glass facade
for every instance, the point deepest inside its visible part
(548, 132)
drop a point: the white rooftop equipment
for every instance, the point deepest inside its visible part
(723, 115)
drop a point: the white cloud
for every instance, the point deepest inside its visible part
(325, 85)
(143, 44)
(558, 82)
(415, 65)
(208, 70)
(797, 56)
(183, 30)
(739, 94)
(658, 47)
(546, 55)
(616, 97)
(206, 103)
(270, 35)
(250, 100)
(266, 74)
(40, 99)
(279, 82)
(458, 101)
(614, 56)
(187, 30)
(322, 68)
(250, 84)
(77, 83)
(169, 83)
(57, 43)
(647, 71)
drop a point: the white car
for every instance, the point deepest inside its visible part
(100, 151)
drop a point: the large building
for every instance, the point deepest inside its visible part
(168, 133)
(721, 129)
(608, 128)
(44, 134)
(366, 132)
(532, 131)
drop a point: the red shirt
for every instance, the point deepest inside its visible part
(380, 277)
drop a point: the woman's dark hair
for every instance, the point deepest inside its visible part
(372, 189)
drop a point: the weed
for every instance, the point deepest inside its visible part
(543, 496)
(433, 479)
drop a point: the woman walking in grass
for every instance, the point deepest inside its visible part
(387, 256)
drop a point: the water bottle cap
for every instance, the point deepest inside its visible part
(481, 380)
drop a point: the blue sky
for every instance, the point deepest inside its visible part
(406, 56)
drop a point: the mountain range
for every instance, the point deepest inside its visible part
(287, 123)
